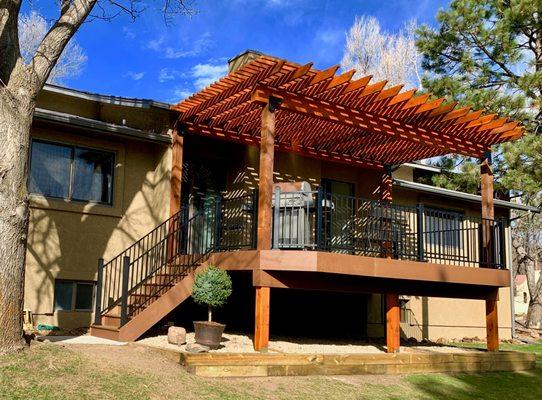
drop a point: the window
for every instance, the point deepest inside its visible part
(443, 228)
(73, 295)
(69, 172)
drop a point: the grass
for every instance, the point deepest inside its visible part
(56, 372)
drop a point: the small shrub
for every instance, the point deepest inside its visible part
(212, 287)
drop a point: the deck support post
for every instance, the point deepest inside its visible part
(488, 254)
(265, 215)
(393, 312)
(393, 329)
(176, 171)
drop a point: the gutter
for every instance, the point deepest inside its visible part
(115, 100)
(99, 126)
(460, 195)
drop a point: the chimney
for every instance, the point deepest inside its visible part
(244, 58)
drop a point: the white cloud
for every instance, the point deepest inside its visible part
(167, 74)
(135, 75)
(205, 74)
(198, 46)
(181, 93)
(128, 32)
(330, 36)
(155, 44)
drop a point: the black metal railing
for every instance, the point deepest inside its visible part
(310, 220)
(347, 224)
(152, 265)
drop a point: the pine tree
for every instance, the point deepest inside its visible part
(488, 54)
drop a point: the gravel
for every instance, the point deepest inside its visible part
(243, 344)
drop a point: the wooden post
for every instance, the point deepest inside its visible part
(393, 328)
(488, 256)
(176, 173)
(261, 331)
(393, 312)
(492, 325)
(265, 214)
(173, 244)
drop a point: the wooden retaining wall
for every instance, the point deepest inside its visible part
(253, 365)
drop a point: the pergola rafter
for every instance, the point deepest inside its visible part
(339, 118)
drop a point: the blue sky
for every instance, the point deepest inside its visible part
(148, 59)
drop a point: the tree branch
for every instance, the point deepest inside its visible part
(9, 38)
(56, 39)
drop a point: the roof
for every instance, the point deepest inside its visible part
(96, 125)
(333, 116)
(454, 194)
(101, 98)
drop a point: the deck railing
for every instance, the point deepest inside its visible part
(313, 220)
(346, 224)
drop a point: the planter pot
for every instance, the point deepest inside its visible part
(208, 333)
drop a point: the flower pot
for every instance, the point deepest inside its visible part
(208, 333)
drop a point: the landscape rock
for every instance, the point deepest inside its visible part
(176, 335)
(196, 348)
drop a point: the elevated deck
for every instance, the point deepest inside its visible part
(332, 271)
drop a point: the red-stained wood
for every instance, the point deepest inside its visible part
(393, 329)
(261, 329)
(176, 173)
(488, 214)
(404, 127)
(265, 223)
(265, 184)
(492, 325)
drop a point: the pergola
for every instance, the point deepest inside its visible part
(280, 105)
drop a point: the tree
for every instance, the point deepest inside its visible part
(211, 288)
(488, 53)
(20, 83)
(32, 29)
(385, 56)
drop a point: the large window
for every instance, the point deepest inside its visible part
(73, 295)
(69, 172)
(443, 227)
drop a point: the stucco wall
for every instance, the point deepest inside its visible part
(67, 238)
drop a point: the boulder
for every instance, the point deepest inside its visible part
(176, 335)
(196, 348)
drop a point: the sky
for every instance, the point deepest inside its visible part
(151, 59)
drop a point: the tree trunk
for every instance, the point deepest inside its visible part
(15, 120)
(534, 315)
(209, 313)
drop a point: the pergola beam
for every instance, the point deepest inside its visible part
(372, 122)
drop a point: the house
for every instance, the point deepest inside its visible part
(300, 182)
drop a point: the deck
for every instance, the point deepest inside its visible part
(344, 272)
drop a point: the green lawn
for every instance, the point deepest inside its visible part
(55, 372)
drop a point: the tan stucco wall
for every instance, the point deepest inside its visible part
(67, 238)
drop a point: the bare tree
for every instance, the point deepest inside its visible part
(527, 243)
(20, 83)
(32, 29)
(385, 56)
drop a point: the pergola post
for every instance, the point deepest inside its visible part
(175, 189)
(488, 256)
(265, 223)
(176, 172)
(393, 312)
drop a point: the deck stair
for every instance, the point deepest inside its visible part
(145, 282)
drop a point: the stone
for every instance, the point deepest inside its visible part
(196, 348)
(176, 335)
(412, 340)
(441, 340)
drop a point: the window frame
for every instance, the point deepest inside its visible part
(74, 284)
(73, 148)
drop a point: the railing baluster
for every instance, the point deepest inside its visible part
(125, 280)
(98, 297)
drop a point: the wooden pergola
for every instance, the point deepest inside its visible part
(279, 105)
